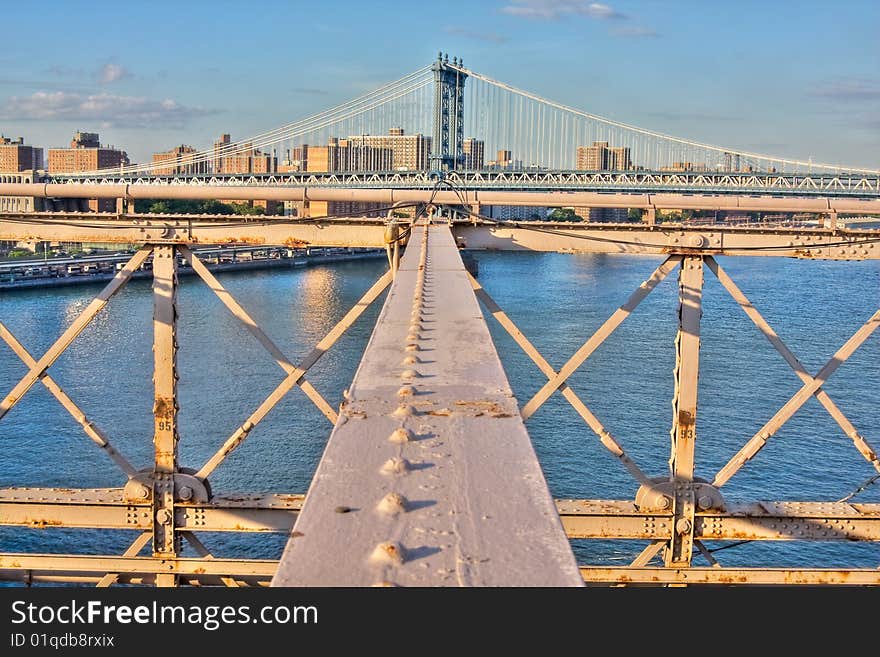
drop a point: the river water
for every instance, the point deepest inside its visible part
(557, 300)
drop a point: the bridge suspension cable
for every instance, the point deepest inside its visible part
(403, 100)
(541, 133)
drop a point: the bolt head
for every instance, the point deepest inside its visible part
(185, 493)
(683, 526)
(705, 502)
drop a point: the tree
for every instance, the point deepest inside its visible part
(563, 214)
(634, 214)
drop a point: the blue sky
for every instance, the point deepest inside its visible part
(796, 79)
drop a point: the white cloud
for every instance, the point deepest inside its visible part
(555, 9)
(848, 89)
(106, 109)
(110, 73)
(635, 32)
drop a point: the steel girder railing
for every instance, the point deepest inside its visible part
(673, 515)
(677, 513)
(166, 502)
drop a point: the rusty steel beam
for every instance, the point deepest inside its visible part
(102, 564)
(193, 229)
(684, 410)
(166, 542)
(429, 477)
(774, 521)
(106, 508)
(633, 238)
(734, 576)
(663, 239)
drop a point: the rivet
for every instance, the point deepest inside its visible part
(412, 347)
(411, 360)
(342, 509)
(401, 435)
(412, 337)
(405, 391)
(403, 410)
(392, 504)
(388, 552)
(409, 374)
(395, 465)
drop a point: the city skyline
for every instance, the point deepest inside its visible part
(745, 83)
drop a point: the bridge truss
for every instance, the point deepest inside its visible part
(673, 515)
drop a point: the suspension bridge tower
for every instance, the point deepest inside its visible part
(447, 144)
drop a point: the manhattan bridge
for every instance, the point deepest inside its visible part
(430, 412)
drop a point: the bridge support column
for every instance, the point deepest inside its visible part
(687, 346)
(166, 542)
(649, 216)
(831, 220)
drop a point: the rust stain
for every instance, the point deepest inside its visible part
(39, 523)
(245, 240)
(293, 243)
(483, 406)
(164, 407)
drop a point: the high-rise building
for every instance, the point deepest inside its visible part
(242, 158)
(178, 160)
(409, 152)
(515, 212)
(474, 154)
(87, 154)
(602, 215)
(686, 166)
(619, 158)
(15, 156)
(593, 158)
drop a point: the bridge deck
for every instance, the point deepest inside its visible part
(429, 477)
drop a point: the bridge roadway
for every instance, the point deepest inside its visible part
(429, 477)
(805, 183)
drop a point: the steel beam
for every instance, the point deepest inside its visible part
(684, 410)
(801, 201)
(429, 477)
(166, 542)
(633, 238)
(737, 576)
(773, 521)
(106, 508)
(663, 239)
(101, 564)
